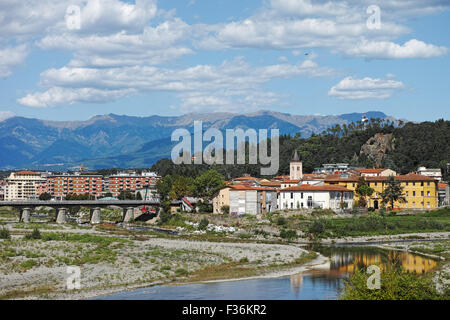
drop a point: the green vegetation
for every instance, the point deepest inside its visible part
(377, 224)
(288, 234)
(203, 224)
(414, 144)
(395, 285)
(36, 234)
(393, 192)
(5, 234)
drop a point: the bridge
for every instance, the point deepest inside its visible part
(62, 207)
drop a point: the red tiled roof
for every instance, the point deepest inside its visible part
(333, 178)
(245, 178)
(247, 187)
(406, 177)
(26, 172)
(442, 185)
(307, 187)
(364, 170)
(291, 181)
(271, 184)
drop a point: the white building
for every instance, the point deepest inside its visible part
(308, 196)
(434, 173)
(23, 185)
(252, 200)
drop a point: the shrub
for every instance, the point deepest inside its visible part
(181, 272)
(243, 260)
(225, 209)
(4, 234)
(36, 234)
(164, 217)
(288, 234)
(318, 227)
(203, 224)
(281, 221)
(395, 285)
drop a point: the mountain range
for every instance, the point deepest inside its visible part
(120, 141)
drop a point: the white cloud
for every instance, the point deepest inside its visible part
(338, 26)
(11, 57)
(6, 115)
(62, 96)
(367, 88)
(388, 50)
(230, 83)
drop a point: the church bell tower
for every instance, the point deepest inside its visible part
(296, 168)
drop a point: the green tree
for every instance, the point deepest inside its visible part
(207, 184)
(180, 187)
(363, 190)
(164, 186)
(393, 192)
(45, 196)
(126, 195)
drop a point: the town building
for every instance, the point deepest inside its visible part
(59, 186)
(295, 168)
(420, 192)
(443, 194)
(308, 197)
(374, 172)
(434, 173)
(245, 199)
(23, 185)
(2, 189)
(331, 168)
(130, 181)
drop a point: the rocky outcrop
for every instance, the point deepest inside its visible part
(376, 147)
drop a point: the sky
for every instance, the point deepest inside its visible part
(71, 60)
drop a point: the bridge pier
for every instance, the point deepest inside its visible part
(128, 214)
(25, 215)
(95, 216)
(61, 215)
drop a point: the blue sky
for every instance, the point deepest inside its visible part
(173, 57)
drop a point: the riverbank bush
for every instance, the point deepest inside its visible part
(376, 224)
(5, 234)
(395, 285)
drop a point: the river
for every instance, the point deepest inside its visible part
(321, 284)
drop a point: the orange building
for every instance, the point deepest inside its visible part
(62, 185)
(129, 182)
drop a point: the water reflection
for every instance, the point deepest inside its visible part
(326, 282)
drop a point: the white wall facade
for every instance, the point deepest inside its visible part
(292, 200)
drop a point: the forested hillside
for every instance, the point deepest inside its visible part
(412, 145)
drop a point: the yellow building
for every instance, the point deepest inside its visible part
(420, 192)
(350, 182)
(221, 198)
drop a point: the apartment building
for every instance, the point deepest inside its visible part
(23, 185)
(307, 196)
(374, 172)
(59, 186)
(130, 182)
(420, 192)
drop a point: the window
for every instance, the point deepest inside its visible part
(298, 168)
(428, 183)
(301, 204)
(407, 193)
(421, 193)
(428, 193)
(292, 205)
(421, 184)
(301, 195)
(310, 202)
(292, 195)
(414, 193)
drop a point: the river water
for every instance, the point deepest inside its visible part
(321, 284)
